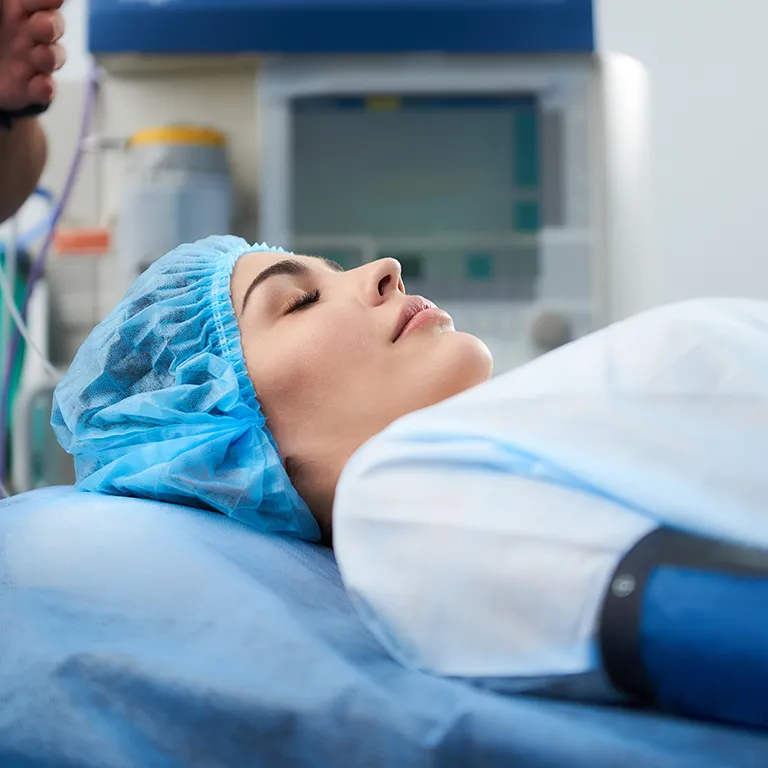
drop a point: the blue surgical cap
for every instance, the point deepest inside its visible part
(158, 403)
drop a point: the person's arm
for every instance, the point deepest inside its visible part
(29, 55)
(22, 158)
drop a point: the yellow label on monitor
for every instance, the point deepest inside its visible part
(383, 102)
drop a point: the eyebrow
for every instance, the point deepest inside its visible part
(289, 267)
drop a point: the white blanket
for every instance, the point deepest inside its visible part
(477, 537)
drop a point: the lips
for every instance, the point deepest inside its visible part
(412, 307)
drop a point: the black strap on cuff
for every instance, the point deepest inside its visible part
(7, 117)
(620, 622)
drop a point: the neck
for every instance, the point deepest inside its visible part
(316, 478)
(316, 483)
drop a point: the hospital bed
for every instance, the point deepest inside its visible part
(138, 633)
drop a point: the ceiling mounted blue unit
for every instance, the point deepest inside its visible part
(185, 27)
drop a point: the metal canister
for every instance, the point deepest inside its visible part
(178, 189)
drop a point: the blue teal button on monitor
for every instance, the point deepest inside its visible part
(527, 216)
(526, 137)
(480, 267)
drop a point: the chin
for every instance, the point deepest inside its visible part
(464, 362)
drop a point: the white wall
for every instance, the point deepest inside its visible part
(708, 62)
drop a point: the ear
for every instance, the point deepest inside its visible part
(291, 469)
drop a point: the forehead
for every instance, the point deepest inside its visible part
(252, 264)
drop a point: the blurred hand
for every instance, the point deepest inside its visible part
(29, 51)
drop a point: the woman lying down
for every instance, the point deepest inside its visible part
(594, 517)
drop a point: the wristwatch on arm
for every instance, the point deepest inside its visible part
(7, 117)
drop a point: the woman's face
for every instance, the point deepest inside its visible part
(337, 356)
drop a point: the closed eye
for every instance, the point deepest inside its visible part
(303, 301)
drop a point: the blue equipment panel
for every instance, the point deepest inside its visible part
(339, 26)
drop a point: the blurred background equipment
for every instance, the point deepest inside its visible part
(486, 147)
(30, 315)
(551, 330)
(492, 150)
(177, 190)
(498, 150)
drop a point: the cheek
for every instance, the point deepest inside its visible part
(300, 364)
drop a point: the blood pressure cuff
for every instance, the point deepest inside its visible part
(684, 627)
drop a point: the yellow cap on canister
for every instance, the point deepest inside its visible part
(178, 134)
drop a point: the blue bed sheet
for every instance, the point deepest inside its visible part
(142, 634)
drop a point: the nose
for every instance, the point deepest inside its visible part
(381, 278)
